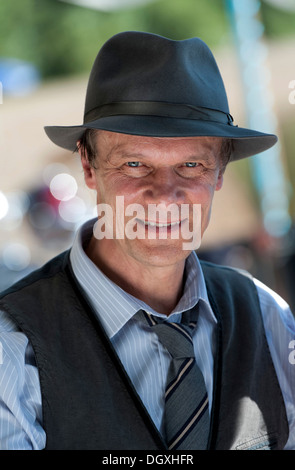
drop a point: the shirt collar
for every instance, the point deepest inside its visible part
(113, 305)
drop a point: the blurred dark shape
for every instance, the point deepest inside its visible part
(268, 259)
(45, 221)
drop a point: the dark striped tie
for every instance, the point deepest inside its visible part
(186, 400)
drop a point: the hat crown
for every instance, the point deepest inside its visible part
(135, 66)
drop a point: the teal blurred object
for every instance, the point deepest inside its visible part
(268, 173)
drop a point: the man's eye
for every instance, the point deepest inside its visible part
(191, 164)
(133, 164)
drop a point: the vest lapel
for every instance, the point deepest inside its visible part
(133, 395)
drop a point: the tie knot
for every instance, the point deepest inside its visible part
(175, 337)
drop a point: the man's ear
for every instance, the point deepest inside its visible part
(89, 171)
(219, 182)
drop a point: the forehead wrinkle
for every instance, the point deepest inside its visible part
(123, 146)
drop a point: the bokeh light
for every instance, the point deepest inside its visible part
(16, 256)
(18, 204)
(63, 186)
(4, 206)
(73, 211)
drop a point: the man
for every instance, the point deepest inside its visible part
(85, 351)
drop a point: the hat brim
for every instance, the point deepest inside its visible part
(246, 142)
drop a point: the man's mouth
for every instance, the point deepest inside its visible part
(149, 223)
(161, 226)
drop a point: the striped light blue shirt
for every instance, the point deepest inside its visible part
(144, 358)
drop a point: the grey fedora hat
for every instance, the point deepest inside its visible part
(146, 84)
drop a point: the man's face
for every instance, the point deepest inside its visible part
(154, 172)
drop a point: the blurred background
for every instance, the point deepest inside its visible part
(47, 49)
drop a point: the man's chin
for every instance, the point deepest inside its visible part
(158, 253)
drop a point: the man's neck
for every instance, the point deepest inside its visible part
(159, 287)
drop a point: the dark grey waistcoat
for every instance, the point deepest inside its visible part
(89, 402)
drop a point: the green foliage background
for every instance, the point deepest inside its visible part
(61, 38)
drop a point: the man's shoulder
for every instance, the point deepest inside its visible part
(230, 289)
(237, 278)
(48, 270)
(271, 300)
(224, 271)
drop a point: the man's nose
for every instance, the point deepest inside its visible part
(164, 187)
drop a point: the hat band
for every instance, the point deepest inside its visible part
(160, 109)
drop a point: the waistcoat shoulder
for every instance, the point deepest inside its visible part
(88, 402)
(244, 374)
